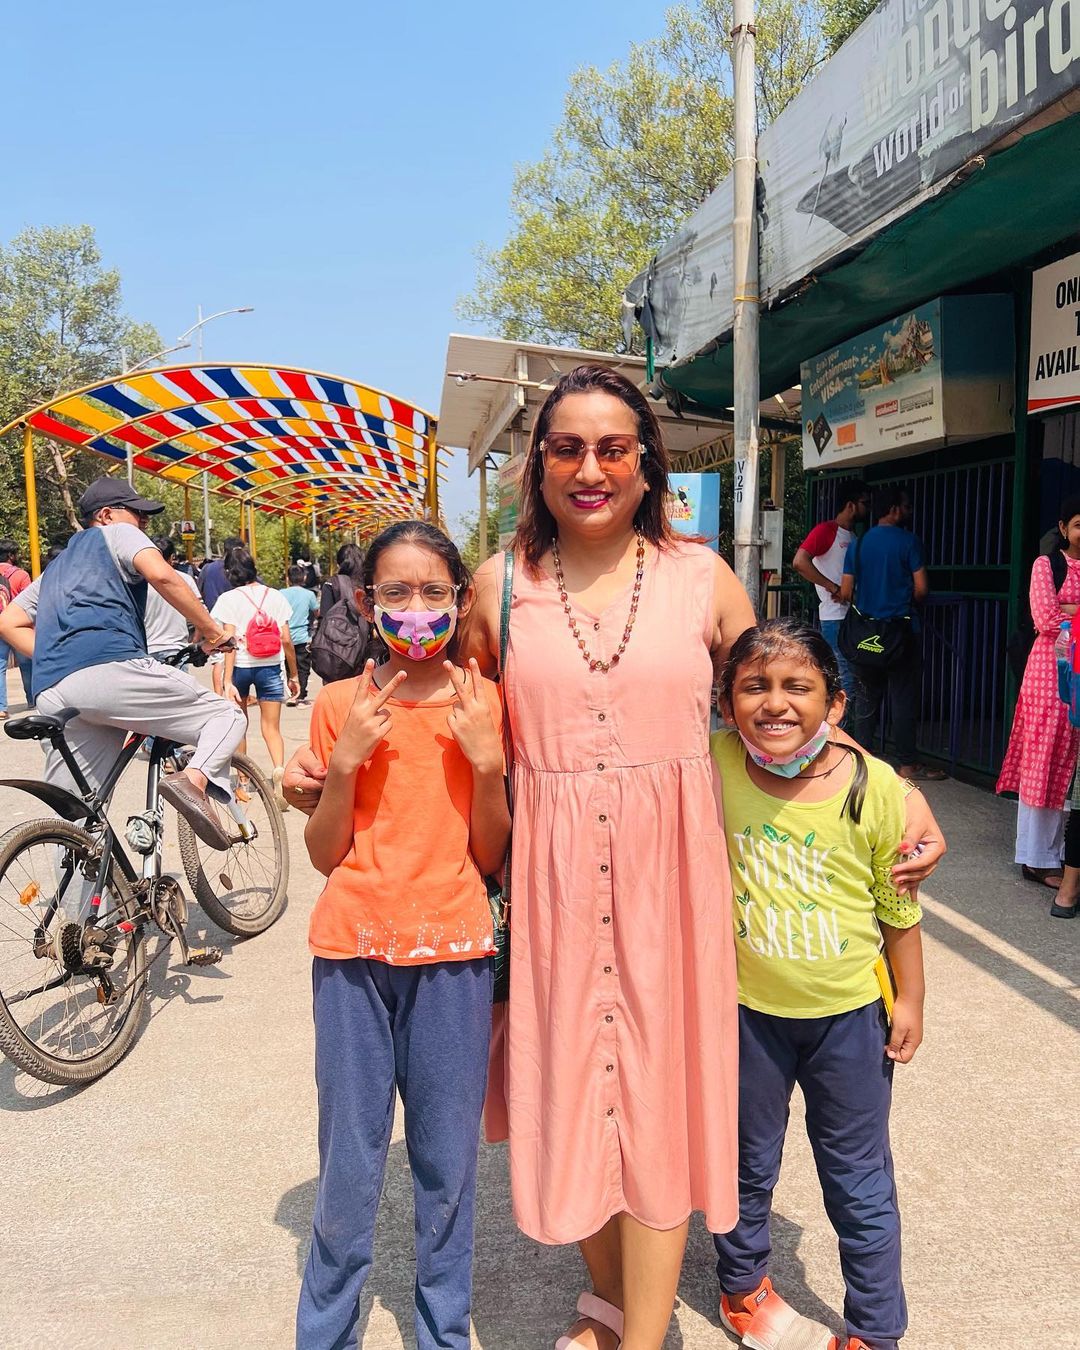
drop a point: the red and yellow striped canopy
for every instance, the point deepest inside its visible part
(282, 439)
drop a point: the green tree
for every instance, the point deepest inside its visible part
(841, 19)
(62, 325)
(639, 147)
(468, 532)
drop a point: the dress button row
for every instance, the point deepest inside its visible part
(611, 1111)
(602, 717)
(608, 1017)
(602, 819)
(610, 1068)
(606, 918)
(603, 867)
(599, 766)
(607, 970)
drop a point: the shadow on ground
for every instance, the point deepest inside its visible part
(524, 1293)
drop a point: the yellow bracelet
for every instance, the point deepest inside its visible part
(909, 787)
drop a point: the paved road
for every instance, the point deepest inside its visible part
(169, 1205)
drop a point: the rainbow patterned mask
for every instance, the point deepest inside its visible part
(418, 634)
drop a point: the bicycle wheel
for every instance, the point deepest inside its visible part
(243, 887)
(59, 1020)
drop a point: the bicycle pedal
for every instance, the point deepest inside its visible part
(203, 956)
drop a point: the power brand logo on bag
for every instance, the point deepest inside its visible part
(871, 643)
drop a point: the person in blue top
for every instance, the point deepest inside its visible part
(885, 576)
(83, 623)
(304, 607)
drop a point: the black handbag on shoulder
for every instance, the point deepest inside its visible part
(874, 644)
(499, 892)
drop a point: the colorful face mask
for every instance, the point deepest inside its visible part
(789, 766)
(418, 634)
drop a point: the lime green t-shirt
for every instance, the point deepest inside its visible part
(810, 886)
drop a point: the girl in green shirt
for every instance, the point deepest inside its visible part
(811, 825)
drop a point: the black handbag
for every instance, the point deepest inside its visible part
(874, 644)
(499, 893)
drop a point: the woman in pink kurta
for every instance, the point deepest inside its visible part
(1041, 757)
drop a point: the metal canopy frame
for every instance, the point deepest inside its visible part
(279, 439)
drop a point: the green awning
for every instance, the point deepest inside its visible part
(1022, 201)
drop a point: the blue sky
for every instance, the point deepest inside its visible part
(334, 165)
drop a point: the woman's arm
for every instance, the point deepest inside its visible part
(290, 660)
(903, 947)
(1046, 612)
(479, 630)
(732, 611)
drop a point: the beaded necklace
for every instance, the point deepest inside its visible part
(591, 661)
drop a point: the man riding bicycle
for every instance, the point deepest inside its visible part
(82, 622)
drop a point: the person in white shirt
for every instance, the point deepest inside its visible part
(820, 560)
(260, 616)
(167, 630)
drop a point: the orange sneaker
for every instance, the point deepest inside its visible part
(768, 1323)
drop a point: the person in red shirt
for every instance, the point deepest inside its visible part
(819, 559)
(13, 581)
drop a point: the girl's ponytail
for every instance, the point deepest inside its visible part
(856, 794)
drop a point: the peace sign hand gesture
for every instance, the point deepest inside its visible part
(470, 720)
(368, 721)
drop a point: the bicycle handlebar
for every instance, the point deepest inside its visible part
(194, 654)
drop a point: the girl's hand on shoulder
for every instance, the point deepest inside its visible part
(470, 720)
(907, 1030)
(368, 721)
(922, 847)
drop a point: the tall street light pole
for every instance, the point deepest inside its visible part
(745, 329)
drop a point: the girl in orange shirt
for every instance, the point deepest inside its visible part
(412, 816)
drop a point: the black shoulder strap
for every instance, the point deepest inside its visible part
(1059, 568)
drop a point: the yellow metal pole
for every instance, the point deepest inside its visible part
(189, 544)
(284, 549)
(433, 479)
(30, 485)
(251, 533)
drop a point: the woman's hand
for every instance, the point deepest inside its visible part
(233, 696)
(922, 847)
(367, 723)
(470, 720)
(302, 784)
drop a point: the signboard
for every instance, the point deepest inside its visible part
(509, 498)
(187, 529)
(941, 372)
(920, 89)
(694, 505)
(1054, 370)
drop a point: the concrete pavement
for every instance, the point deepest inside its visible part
(169, 1205)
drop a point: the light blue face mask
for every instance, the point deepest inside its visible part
(789, 766)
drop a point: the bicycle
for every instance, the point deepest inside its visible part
(74, 908)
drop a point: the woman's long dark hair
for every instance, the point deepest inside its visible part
(785, 637)
(536, 525)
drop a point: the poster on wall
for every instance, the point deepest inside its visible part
(694, 505)
(1054, 370)
(940, 372)
(509, 499)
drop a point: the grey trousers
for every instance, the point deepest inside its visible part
(142, 695)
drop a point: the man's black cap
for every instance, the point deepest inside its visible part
(115, 492)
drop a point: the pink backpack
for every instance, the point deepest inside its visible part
(262, 636)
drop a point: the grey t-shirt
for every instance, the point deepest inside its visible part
(166, 628)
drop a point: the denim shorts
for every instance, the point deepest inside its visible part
(265, 680)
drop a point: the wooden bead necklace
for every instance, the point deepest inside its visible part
(590, 660)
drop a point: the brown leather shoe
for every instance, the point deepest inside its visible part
(180, 792)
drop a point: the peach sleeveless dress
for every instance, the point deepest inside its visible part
(622, 1038)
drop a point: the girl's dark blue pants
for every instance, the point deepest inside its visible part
(424, 1029)
(840, 1065)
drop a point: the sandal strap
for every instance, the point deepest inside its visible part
(597, 1309)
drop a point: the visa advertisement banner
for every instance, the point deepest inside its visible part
(694, 505)
(941, 372)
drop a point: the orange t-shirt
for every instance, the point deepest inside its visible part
(407, 892)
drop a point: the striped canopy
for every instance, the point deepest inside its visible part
(281, 439)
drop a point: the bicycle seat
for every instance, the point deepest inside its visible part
(38, 727)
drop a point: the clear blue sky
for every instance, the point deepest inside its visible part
(335, 164)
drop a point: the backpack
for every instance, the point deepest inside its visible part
(341, 642)
(1022, 639)
(262, 636)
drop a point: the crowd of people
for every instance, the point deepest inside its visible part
(700, 919)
